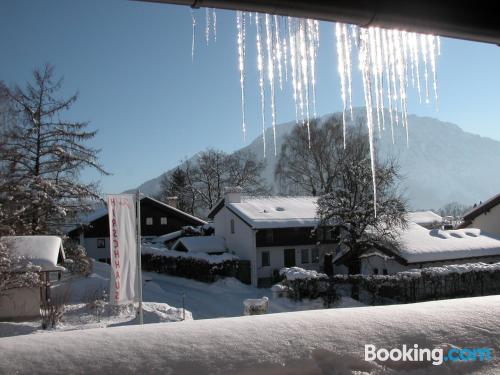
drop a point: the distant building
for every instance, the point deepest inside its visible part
(157, 218)
(272, 232)
(485, 216)
(421, 247)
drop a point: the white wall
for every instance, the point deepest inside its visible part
(488, 221)
(241, 242)
(368, 264)
(20, 303)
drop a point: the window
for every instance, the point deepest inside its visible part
(163, 220)
(375, 271)
(101, 243)
(266, 260)
(105, 260)
(384, 271)
(304, 256)
(269, 233)
(315, 255)
(232, 226)
(149, 221)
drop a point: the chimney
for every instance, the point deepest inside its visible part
(232, 194)
(173, 201)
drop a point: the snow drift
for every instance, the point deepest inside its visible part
(312, 342)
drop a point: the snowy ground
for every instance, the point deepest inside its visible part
(223, 298)
(307, 342)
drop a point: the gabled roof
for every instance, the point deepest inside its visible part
(201, 244)
(273, 212)
(103, 211)
(420, 245)
(482, 208)
(42, 251)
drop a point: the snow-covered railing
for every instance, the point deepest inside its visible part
(307, 342)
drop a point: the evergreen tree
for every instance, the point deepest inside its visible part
(41, 156)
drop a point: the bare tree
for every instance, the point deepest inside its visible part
(308, 165)
(200, 184)
(349, 207)
(42, 156)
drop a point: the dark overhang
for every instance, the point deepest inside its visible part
(476, 21)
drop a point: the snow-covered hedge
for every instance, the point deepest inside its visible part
(449, 281)
(197, 266)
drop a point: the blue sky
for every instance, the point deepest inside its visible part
(131, 63)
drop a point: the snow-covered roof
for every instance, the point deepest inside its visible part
(277, 212)
(42, 251)
(424, 218)
(201, 244)
(419, 244)
(168, 237)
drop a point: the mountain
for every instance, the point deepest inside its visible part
(441, 163)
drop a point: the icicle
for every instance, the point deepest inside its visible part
(207, 25)
(380, 88)
(240, 25)
(285, 50)
(277, 53)
(388, 80)
(305, 73)
(312, 45)
(348, 64)
(341, 69)
(193, 19)
(260, 68)
(432, 55)
(373, 68)
(364, 67)
(423, 42)
(214, 27)
(293, 61)
(270, 74)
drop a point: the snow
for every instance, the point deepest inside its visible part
(41, 251)
(277, 212)
(168, 237)
(312, 342)
(422, 245)
(424, 218)
(453, 268)
(202, 244)
(297, 273)
(163, 251)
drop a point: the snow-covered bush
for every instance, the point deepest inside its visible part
(96, 301)
(78, 261)
(52, 309)
(256, 306)
(301, 283)
(16, 272)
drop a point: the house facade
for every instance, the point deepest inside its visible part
(157, 218)
(272, 233)
(485, 216)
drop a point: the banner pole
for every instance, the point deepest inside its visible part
(139, 250)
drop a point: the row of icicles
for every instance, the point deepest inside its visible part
(287, 48)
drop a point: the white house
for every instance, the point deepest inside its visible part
(421, 247)
(157, 218)
(485, 216)
(271, 232)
